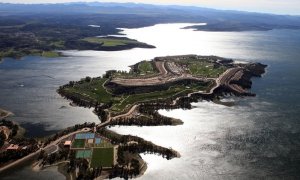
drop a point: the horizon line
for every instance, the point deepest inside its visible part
(152, 4)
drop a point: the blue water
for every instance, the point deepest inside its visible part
(259, 138)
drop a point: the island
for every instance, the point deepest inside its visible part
(90, 150)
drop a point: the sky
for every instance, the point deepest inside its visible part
(268, 6)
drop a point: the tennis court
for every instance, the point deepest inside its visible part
(85, 136)
(83, 154)
(97, 140)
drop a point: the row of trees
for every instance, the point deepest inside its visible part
(140, 145)
(150, 117)
(68, 130)
(132, 169)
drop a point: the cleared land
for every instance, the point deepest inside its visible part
(102, 157)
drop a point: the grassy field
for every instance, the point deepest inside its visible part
(109, 42)
(102, 157)
(78, 143)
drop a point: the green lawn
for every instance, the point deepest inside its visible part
(102, 157)
(78, 143)
(109, 42)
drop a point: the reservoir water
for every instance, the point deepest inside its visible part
(257, 138)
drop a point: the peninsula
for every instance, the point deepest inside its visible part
(89, 150)
(163, 82)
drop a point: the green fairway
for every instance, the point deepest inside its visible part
(144, 69)
(205, 69)
(83, 153)
(102, 157)
(132, 99)
(109, 42)
(92, 90)
(78, 143)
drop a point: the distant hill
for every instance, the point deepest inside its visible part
(40, 29)
(153, 14)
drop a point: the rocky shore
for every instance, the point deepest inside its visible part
(4, 113)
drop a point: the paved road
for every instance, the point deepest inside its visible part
(51, 149)
(223, 79)
(132, 109)
(49, 146)
(160, 65)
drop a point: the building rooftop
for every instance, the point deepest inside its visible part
(68, 143)
(12, 147)
(90, 141)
